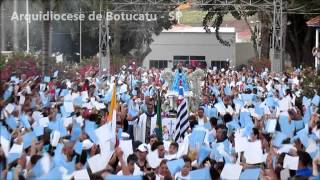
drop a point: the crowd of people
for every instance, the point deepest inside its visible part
(242, 125)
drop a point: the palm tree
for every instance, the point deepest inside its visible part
(47, 6)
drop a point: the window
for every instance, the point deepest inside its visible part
(198, 61)
(195, 61)
(181, 59)
(160, 64)
(220, 64)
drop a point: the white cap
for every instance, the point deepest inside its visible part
(145, 74)
(142, 148)
(87, 144)
(124, 134)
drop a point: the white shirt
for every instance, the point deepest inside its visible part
(178, 176)
(201, 121)
(159, 177)
(213, 132)
(170, 156)
(136, 172)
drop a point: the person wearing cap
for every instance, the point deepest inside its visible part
(142, 162)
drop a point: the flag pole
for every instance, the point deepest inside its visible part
(159, 122)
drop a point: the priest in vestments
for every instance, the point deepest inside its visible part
(147, 122)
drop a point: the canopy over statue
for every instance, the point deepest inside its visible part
(180, 76)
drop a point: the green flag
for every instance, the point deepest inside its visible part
(159, 122)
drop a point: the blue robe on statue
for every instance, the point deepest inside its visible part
(176, 82)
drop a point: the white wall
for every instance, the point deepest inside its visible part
(244, 52)
(169, 44)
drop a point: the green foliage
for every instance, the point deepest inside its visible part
(259, 65)
(135, 37)
(2, 61)
(216, 14)
(311, 82)
(132, 36)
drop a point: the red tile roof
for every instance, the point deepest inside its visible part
(314, 22)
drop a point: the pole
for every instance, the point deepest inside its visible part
(2, 35)
(108, 47)
(100, 35)
(28, 34)
(80, 52)
(317, 46)
(15, 28)
(277, 37)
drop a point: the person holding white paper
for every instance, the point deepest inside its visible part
(224, 107)
(184, 173)
(129, 167)
(253, 153)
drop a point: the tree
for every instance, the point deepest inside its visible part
(264, 17)
(133, 38)
(298, 37)
(47, 6)
(129, 38)
(215, 14)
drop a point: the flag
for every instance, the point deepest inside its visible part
(112, 116)
(182, 119)
(158, 129)
(113, 104)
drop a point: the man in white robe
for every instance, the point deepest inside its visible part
(147, 118)
(140, 127)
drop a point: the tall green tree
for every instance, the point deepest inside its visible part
(133, 38)
(298, 37)
(47, 6)
(129, 38)
(216, 13)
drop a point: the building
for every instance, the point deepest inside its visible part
(192, 45)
